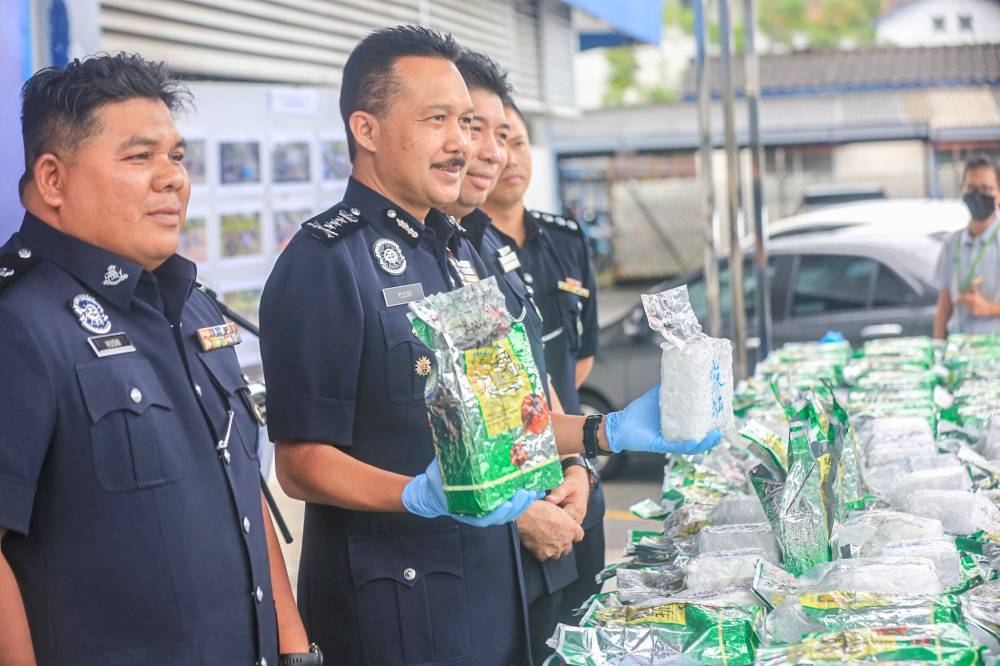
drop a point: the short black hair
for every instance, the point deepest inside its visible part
(481, 72)
(368, 83)
(513, 107)
(980, 161)
(58, 104)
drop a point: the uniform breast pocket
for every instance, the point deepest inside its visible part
(135, 438)
(224, 368)
(410, 596)
(408, 361)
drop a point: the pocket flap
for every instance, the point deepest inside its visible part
(397, 327)
(405, 557)
(224, 369)
(113, 384)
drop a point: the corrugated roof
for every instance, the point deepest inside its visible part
(826, 118)
(864, 69)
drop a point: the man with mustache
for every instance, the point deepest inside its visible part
(132, 523)
(387, 576)
(968, 270)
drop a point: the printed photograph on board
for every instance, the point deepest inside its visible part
(290, 162)
(194, 239)
(286, 223)
(239, 162)
(336, 161)
(241, 235)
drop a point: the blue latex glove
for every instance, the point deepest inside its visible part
(424, 496)
(637, 428)
(832, 336)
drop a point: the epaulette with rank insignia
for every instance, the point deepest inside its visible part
(14, 265)
(567, 224)
(334, 224)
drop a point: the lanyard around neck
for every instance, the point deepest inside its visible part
(964, 283)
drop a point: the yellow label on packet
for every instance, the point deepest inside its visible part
(664, 614)
(850, 644)
(843, 599)
(500, 384)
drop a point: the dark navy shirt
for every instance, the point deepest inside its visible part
(344, 367)
(501, 260)
(134, 538)
(556, 266)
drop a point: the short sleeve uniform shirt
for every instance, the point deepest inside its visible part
(955, 268)
(129, 478)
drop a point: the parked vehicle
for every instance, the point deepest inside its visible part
(929, 216)
(865, 284)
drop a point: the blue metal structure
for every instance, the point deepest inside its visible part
(632, 21)
(15, 66)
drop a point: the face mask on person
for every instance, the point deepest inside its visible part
(980, 205)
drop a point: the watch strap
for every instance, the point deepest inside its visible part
(590, 426)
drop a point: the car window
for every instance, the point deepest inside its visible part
(699, 303)
(890, 289)
(831, 283)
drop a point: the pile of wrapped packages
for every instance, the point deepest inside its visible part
(853, 518)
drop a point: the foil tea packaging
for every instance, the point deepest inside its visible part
(485, 402)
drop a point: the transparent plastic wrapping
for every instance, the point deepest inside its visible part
(944, 478)
(881, 575)
(961, 512)
(813, 613)
(941, 551)
(642, 585)
(716, 538)
(696, 371)
(485, 401)
(737, 510)
(721, 569)
(869, 533)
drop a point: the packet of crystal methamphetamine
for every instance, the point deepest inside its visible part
(696, 371)
(485, 401)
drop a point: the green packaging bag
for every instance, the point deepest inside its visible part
(486, 404)
(689, 633)
(949, 644)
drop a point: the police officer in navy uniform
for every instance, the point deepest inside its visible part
(555, 264)
(387, 575)
(549, 528)
(130, 508)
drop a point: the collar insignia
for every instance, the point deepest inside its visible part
(114, 276)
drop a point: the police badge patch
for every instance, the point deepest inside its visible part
(91, 314)
(389, 256)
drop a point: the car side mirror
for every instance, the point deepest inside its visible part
(634, 325)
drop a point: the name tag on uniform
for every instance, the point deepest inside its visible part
(508, 259)
(110, 344)
(573, 287)
(466, 271)
(217, 337)
(404, 294)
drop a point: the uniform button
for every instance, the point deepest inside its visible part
(528, 278)
(136, 395)
(24, 253)
(259, 594)
(226, 457)
(262, 662)
(409, 574)
(246, 524)
(197, 389)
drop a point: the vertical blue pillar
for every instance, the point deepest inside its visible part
(15, 66)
